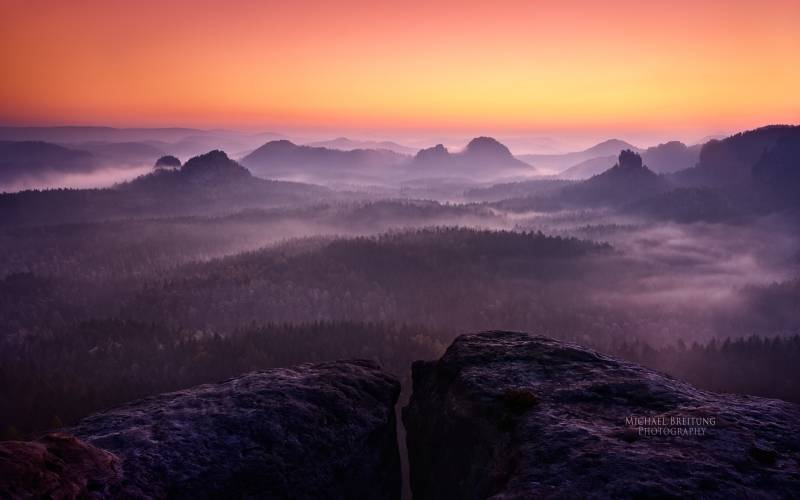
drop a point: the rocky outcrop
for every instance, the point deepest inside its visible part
(730, 161)
(490, 149)
(282, 158)
(56, 466)
(214, 166)
(629, 160)
(435, 155)
(168, 161)
(308, 432)
(509, 415)
(626, 182)
(483, 157)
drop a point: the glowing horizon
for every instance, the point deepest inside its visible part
(450, 66)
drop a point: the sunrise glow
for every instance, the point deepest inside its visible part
(503, 65)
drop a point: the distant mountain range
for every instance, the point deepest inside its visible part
(35, 159)
(37, 162)
(588, 168)
(182, 142)
(664, 158)
(211, 170)
(72, 134)
(730, 161)
(211, 183)
(345, 144)
(341, 160)
(671, 156)
(747, 174)
(482, 157)
(777, 172)
(217, 177)
(121, 153)
(560, 162)
(168, 161)
(536, 145)
(751, 172)
(627, 181)
(285, 160)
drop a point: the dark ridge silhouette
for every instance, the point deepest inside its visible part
(629, 161)
(490, 151)
(212, 168)
(777, 173)
(346, 144)
(183, 142)
(483, 157)
(559, 162)
(36, 159)
(588, 168)
(390, 268)
(488, 146)
(213, 163)
(100, 134)
(284, 159)
(168, 161)
(627, 181)
(206, 184)
(671, 156)
(730, 161)
(747, 174)
(433, 155)
(609, 145)
(122, 154)
(487, 151)
(664, 158)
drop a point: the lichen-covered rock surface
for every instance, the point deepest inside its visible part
(56, 466)
(509, 415)
(307, 432)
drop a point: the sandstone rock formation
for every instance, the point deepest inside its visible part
(508, 415)
(56, 466)
(307, 432)
(482, 156)
(501, 415)
(168, 161)
(626, 182)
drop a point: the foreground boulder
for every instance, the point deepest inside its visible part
(311, 431)
(509, 415)
(56, 466)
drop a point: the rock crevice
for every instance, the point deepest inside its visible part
(501, 415)
(510, 415)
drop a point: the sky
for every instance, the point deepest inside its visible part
(518, 67)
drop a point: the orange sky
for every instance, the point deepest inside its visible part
(409, 65)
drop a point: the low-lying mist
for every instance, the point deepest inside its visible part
(212, 268)
(99, 178)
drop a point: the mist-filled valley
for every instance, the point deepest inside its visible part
(205, 268)
(399, 250)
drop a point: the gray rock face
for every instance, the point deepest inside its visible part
(311, 431)
(508, 415)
